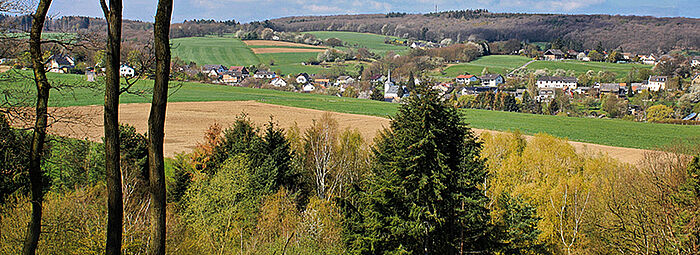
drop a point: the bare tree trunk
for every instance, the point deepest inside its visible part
(38, 137)
(115, 215)
(156, 126)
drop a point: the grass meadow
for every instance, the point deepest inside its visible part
(213, 51)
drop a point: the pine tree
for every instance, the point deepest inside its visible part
(411, 82)
(423, 196)
(528, 103)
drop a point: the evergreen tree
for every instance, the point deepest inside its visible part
(377, 94)
(423, 195)
(411, 82)
(528, 103)
(515, 231)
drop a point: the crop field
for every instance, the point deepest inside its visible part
(501, 64)
(373, 42)
(581, 67)
(611, 132)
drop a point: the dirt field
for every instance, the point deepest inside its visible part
(186, 123)
(279, 43)
(283, 50)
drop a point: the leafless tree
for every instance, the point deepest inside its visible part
(156, 125)
(115, 215)
(39, 135)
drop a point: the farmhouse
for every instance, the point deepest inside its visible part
(491, 80)
(126, 71)
(213, 70)
(466, 79)
(240, 69)
(657, 83)
(263, 74)
(554, 54)
(556, 82)
(303, 78)
(278, 82)
(60, 63)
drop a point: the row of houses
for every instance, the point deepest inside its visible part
(489, 80)
(651, 59)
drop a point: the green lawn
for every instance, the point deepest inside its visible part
(213, 51)
(581, 67)
(501, 64)
(600, 131)
(373, 42)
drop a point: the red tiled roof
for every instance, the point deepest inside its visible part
(465, 76)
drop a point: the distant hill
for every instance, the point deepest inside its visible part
(637, 34)
(631, 33)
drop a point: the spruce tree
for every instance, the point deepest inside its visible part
(411, 85)
(423, 195)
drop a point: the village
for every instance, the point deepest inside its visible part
(464, 89)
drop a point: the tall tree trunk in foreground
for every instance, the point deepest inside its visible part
(42, 100)
(115, 214)
(156, 125)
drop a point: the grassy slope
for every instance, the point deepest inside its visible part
(581, 67)
(373, 42)
(214, 50)
(600, 131)
(501, 64)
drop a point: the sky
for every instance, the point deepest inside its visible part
(252, 10)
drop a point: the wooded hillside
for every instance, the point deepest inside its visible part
(631, 33)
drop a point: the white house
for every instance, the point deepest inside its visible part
(309, 87)
(126, 71)
(649, 60)
(278, 82)
(491, 80)
(303, 78)
(557, 82)
(60, 63)
(466, 78)
(657, 83)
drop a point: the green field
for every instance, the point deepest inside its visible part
(611, 132)
(501, 64)
(373, 42)
(214, 51)
(581, 67)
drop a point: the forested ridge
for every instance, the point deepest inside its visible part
(639, 34)
(636, 34)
